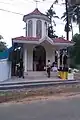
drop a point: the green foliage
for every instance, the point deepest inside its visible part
(14, 56)
(3, 45)
(69, 28)
(75, 50)
(51, 15)
(74, 15)
(51, 32)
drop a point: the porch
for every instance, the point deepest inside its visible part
(34, 76)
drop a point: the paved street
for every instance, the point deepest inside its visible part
(43, 110)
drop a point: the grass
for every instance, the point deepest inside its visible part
(17, 95)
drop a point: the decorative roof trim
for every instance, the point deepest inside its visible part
(46, 38)
(36, 14)
(37, 17)
(25, 41)
(62, 44)
(35, 40)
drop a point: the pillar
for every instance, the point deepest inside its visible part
(58, 63)
(30, 58)
(25, 59)
(58, 53)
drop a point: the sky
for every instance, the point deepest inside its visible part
(12, 25)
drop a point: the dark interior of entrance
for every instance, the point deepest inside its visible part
(39, 58)
(15, 56)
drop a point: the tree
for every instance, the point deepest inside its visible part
(64, 17)
(74, 51)
(3, 45)
(74, 15)
(51, 32)
(51, 15)
(67, 17)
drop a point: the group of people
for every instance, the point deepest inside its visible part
(20, 68)
(50, 67)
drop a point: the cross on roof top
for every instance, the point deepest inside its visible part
(36, 3)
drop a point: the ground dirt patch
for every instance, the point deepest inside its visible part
(36, 94)
(34, 99)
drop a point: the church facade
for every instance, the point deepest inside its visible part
(38, 48)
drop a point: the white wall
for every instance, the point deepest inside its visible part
(5, 70)
(50, 53)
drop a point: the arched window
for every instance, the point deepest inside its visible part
(45, 24)
(30, 28)
(39, 28)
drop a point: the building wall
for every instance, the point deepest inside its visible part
(5, 70)
(50, 53)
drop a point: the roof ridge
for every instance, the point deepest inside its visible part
(36, 11)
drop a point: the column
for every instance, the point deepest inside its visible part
(58, 53)
(30, 59)
(43, 27)
(53, 56)
(34, 27)
(25, 59)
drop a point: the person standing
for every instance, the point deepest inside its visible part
(21, 69)
(48, 68)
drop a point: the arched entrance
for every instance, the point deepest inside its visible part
(39, 58)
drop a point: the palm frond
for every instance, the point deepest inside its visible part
(56, 1)
(56, 17)
(54, 23)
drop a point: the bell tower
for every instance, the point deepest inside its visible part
(36, 23)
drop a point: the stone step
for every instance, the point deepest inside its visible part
(42, 74)
(77, 75)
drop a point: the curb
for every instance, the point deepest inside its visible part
(36, 85)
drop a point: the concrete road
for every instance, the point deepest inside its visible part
(43, 110)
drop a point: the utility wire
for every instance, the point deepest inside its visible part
(5, 3)
(4, 10)
(32, 2)
(11, 12)
(23, 14)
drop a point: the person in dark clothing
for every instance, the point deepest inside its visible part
(21, 74)
(48, 68)
(17, 70)
(53, 64)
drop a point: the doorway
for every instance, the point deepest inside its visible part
(15, 56)
(39, 58)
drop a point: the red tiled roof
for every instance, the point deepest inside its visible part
(26, 38)
(56, 40)
(36, 12)
(61, 40)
